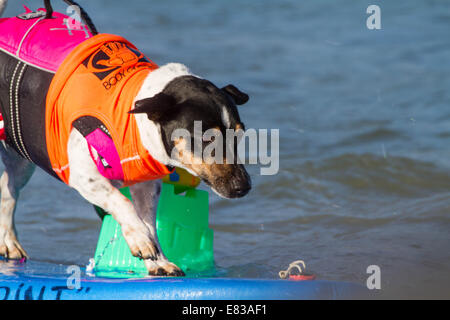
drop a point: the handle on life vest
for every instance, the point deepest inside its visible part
(48, 9)
(84, 16)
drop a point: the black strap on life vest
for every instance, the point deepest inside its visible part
(48, 9)
(88, 124)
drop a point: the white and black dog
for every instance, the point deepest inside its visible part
(23, 90)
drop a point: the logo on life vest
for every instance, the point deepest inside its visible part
(114, 59)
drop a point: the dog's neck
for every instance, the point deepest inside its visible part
(150, 131)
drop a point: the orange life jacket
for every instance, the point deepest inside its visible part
(101, 78)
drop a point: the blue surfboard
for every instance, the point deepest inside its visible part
(35, 280)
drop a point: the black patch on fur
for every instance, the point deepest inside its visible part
(187, 99)
(195, 99)
(156, 107)
(238, 96)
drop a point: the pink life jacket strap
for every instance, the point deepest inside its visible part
(107, 159)
(101, 147)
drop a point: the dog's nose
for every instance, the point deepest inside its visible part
(241, 189)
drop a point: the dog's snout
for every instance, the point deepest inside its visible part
(241, 188)
(242, 191)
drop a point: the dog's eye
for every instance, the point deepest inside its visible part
(208, 138)
(211, 135)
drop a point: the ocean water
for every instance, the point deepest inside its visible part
(364, 120)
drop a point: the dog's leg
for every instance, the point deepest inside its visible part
(145, 198)
(17, 173)
(85, 178)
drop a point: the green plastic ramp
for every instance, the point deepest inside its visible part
(182, 224)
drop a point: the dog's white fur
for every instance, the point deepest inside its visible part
(137, 219)
(150, 131)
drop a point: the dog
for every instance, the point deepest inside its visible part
(103, 118)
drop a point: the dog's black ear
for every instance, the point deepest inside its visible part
(155, 107)
(238, 96)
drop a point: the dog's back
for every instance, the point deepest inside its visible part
(39, 42)
(31, 50)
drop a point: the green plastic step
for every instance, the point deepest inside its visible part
(182, 224)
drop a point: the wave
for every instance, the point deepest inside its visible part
(356, 173)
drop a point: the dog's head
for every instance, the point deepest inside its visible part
(185, 103)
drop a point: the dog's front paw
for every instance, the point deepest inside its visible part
(163, 269)
(140, 243)
(10, 247)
